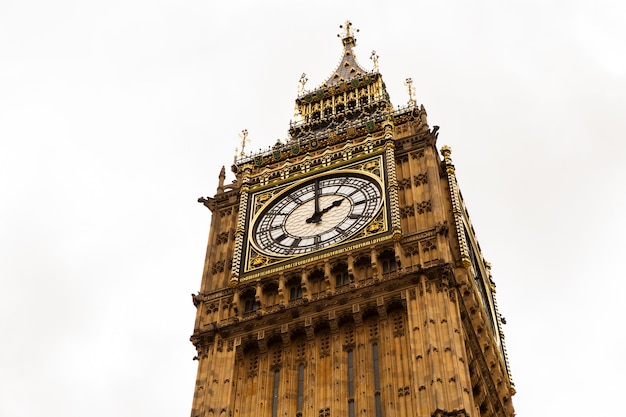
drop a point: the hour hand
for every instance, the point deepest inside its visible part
(317, 216)
(334, 204)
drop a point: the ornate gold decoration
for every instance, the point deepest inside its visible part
(394, 201)
(302, 82)
(244, 141)
(258, 261)
(379, 225)
(409, 85)
(374, 227)
(374, 57)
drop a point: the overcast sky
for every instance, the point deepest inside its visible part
(115, 116)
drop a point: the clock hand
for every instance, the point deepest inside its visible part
(334, 204)
(317, 216)
(317, 196)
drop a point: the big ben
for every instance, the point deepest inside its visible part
(342, 274)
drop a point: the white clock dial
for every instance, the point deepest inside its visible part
(317, 213)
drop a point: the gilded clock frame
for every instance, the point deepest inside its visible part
(254, 263)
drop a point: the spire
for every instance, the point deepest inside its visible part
(350, 97)
(348, 68)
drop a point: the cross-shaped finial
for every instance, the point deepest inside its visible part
(409, 84)
(244, 140)
(302, 82)
(347, 38)
(374, 58)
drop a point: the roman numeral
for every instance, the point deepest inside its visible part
(359, 202)
(296, 242)
(295, 199)
(281, 238)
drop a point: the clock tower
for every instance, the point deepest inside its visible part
(342, 274)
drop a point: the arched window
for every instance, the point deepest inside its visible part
(295, 288)
(340, 272)
(270, 294)
(249, 301)
(363, 267)
(388, 262)
(316, 283)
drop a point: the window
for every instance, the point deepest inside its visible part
(295, 289)
(340, 272)
(316, 283)
(270, 294)
(249, 302)
(249, 306)
(295, 292)
(387, 260)
(341, 279)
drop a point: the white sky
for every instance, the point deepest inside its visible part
(115, 116)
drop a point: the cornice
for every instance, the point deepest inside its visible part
(388, 286)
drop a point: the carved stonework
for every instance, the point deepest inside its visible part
(218, 267)
(222, 238)
(226, 212)
(420, 179)
(405, 183)
(453, 413)
(410, 249)
(424, 207)
(428, 245)
(407, 211)
(324, 346)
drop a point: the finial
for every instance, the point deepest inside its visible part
(409, 84)
(374, 58)
(302, 82)
(244, 140)
(446, 151)
(347, 38)
(222, 177)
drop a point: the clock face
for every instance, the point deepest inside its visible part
(317, 213)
